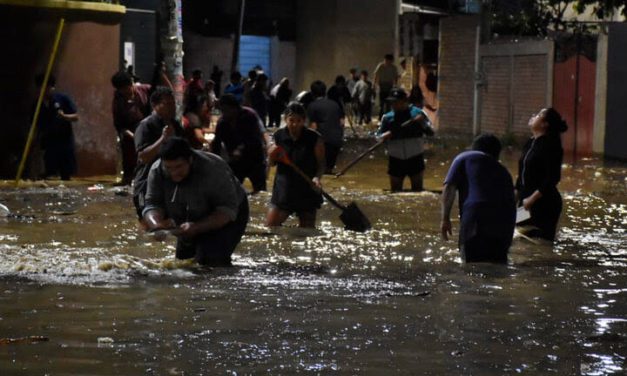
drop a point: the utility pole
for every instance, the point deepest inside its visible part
(238, 36)
(171, 38)
(578, 32)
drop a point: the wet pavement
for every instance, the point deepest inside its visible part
(395, 300)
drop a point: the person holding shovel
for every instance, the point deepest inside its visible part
(404, 129)
(291, 193)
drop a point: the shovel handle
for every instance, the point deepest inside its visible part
(281, 156)
(359, 158)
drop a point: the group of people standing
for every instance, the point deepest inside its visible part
(191, 186)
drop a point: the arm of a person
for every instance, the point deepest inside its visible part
(154, 214)
(69, 111)
(70, 117)
(553, 169)
(384, 132)
(119, 119)
(165, 80)
(216, 143)
(448, 198)
(376, 75)
(319, 152)
(150, 152)
(214, 221)
(225, 196)
(423, 122)
(552, 176)
(200, 135)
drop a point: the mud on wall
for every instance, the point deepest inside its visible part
(88, 55)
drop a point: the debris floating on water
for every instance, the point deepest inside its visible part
(4, 211)
(30, 339)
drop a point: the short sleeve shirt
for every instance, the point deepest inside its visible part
(480, 178)
(327, 114)
(388, 74)
(147, 133)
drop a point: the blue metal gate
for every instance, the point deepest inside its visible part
(253, 51)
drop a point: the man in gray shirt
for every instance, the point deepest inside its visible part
(197, 197)
(385, 77)
(326, 117)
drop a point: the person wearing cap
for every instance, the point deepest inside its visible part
(487, 207)
(290, 192)
(196, 196)
(241, 134)
(404, 129)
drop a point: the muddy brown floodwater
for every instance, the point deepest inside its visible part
(396, 300)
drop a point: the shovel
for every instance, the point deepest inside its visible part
(352, 217)
(376, 146)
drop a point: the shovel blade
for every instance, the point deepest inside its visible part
(354, 219)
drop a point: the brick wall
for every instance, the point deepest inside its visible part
(516, 84)
(514, 89)
(530, 90)
(516, 80)
(456, 72)
(495, 93)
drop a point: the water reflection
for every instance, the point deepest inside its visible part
(396, 299)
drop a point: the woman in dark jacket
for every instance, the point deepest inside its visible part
(539, 171)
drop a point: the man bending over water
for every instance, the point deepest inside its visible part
(197, 196)
(486, 202)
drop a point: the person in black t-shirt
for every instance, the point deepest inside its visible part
(151, 133)
(291, 193)
(327, 117)
(242, 135)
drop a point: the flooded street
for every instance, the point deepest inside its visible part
(396, 300)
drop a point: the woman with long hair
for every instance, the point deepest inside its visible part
(539, 172)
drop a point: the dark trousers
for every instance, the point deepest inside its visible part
(485, 249)
(255, 173)
(129, 158)
(59, 158)
(365, 112)
(215, 248)
(545, 214)
(384, 106)
(276, 110)
(330, 153)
